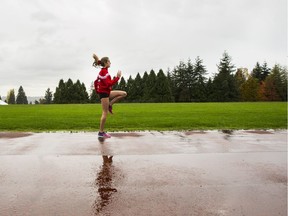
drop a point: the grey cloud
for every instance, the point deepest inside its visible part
(43, 16)
(45, 39)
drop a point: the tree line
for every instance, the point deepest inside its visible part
(187, 82)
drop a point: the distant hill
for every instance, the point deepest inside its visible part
(32, 99)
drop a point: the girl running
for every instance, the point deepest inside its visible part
(103, 87)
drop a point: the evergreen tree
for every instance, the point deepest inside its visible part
(225, 88)
(162, 88)
(136, 91)
(151, 83)
(190, 81)
(261, 72)
(84, 94)
(76, 93)
(199, 86)
(93, 95)
(21, 96)
(11, 97)
(129, 89)
(115, 86)
(283, 75)
(70, 90)
(171, 85)
(210, 90)
(265, 71)
(146, 89)
(257, 72)
(48, 96)
(180, 78)
(122, 84)
(60, 93)
(187, 81)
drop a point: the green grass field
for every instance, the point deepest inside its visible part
(156, 116)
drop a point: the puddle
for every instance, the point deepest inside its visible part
(259, 132)
(12, 135)
(187, 133)
(129, 134)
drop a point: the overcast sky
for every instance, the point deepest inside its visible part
(42, 42)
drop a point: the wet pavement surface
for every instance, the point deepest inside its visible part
(144, 173)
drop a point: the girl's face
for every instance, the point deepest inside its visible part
(108, 64)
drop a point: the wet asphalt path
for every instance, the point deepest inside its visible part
(144, 173)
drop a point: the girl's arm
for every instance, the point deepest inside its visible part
(113, 81)
(110, 82)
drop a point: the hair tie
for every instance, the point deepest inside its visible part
(99, 62)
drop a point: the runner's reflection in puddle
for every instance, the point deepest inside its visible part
(228, 134)
(104, 180)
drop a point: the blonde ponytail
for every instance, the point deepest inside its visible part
(96, 61)
(101, 62)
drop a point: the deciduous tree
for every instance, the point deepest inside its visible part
(11, 97)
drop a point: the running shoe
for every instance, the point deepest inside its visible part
(104, 135)
(110, 109)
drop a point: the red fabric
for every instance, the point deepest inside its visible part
(104, 83)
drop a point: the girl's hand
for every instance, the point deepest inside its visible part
(119, 73)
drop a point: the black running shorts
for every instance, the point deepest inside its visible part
(103, 95)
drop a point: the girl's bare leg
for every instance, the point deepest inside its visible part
(105, 106)
(116, 96)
